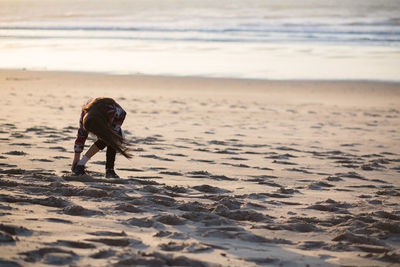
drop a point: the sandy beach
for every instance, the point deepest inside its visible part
(225, 173)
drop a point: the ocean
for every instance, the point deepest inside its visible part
(256, 39)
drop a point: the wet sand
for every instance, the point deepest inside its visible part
(225, 173)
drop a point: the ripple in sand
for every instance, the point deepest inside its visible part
(172, 235)
(358, 239)
(321, 185)
(19, 135)
(21, 144)
(311, 245)
(240, 215)
(49, 255)
(156, 157)
(7, 165)
(158, 259)
(9, 263)
(115, 242)
(58, 220)
(172, 246)
(60, 157)
(331, 206)
(238, 158)
(145, 180)
(275, 155)
(204, 161)
(107, 233)
(263, 261)
(296, 226)
(210, 189)
(67, 190)
(16, 153)
(388, 192)
(171, 220)
(103, 254)
(124, 169)
(77, 210)
(187, 247)
(59, 148)
(206, 174)
(6, 238)
(176, 155)
(141, 222)
(352, 175)
(176, 189)
(49, 201)
(15, 230)
(225, 151)
(75, 244)
(171, 173)
(241, 165)
(284, 162)
(129, 208)
(43, 160)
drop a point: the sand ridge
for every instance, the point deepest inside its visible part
(225, 173)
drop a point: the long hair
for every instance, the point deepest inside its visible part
(96, 121)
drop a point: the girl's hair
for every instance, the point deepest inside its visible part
(96, 121)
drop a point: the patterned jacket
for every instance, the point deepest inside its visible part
(115, 113)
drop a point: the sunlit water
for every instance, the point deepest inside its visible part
(282, 39)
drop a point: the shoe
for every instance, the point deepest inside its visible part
(110, 173)
(79, 170)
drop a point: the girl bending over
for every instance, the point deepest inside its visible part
(102, 117)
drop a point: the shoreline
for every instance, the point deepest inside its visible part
(139, 75)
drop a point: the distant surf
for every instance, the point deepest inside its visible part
(119, 30)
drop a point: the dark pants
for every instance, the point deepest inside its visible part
(110, 154)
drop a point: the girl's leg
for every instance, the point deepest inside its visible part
(110, 158)
(92, 151)
(79, 168)
(110, 155)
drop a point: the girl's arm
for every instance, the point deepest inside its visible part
(79, 142)
(119, 115)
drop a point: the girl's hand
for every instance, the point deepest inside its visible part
(77, 157)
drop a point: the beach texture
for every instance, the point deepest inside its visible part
(225, 173)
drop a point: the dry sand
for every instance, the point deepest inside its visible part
(226, 172)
